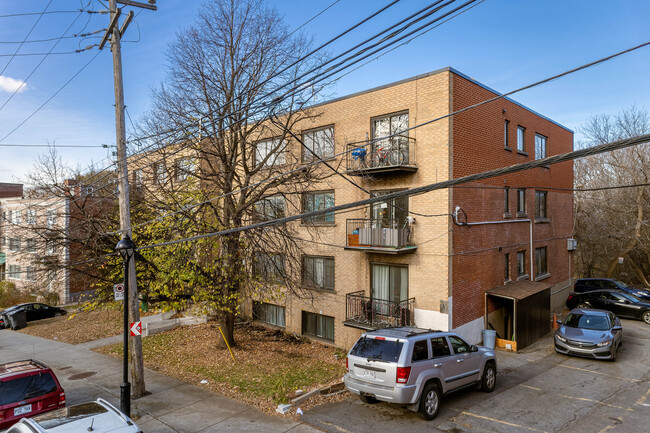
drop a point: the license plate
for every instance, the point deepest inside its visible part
(23, 410)
(369, 374)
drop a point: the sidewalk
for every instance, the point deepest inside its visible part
(172, 406)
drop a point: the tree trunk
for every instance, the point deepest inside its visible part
(637, 234)
(227, 323)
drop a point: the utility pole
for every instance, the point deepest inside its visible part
(115, 33)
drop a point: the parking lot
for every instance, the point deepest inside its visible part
(537, 390)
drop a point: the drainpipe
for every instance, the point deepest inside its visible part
(527, 220)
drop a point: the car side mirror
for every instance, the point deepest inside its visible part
(473, 348)
(617, 328)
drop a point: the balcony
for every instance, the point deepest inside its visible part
(385, 236)
(367, 313)
(390, 155)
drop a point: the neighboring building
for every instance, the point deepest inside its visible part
(463, 258)
(35, 243)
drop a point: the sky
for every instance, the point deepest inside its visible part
(504, 44)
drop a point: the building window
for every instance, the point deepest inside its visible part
(320, 142)
(31, 216)
(540, 147)
(318, 272)
(14, 244)
(51, 218)
(393, 126)
(14, 272)
(390, 283)
(184, 167)
(541, 265)
(30, 275)
(314, 201)
(269, 208)
(521, 201)
(318, 325)
(521, 263)
(269, 267)
(270, 152)
(390, 213)
(15, 216)
(507, 267)
(50, 246)
(521, 139)
(160, 173)
(506, 135)
(506, 200)
(138, 178)
(269, 313)
(540, 205)
(30, 245)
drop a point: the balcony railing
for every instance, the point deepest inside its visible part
(387, 155)
(369, 313)
(379, 235)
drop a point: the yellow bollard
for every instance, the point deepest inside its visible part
(228, 345)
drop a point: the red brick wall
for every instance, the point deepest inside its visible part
(478, 145)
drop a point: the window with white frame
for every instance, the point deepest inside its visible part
(318, 272)
(314, 201)
(269, 313)
(521, 138)
(394, 126)
(160, 173)
(541, 150)
(14, 244)
(320, 142)
(184, 167)
(30, 245)
(269, 208)
(318, 325)
(14, 272)
(31, 216)
(51, 218)
(270, 152)
(138, 178)
(15, 216)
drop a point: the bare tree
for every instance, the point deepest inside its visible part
(613, 223)
(222, 125)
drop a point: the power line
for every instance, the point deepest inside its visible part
(34, 41)
(576, 154)
(89, 47)
(52, 145)
(24, 14)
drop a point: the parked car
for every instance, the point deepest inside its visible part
(97, 416)
(35, 311)
(620, 303)
(589, 284)
(27, 388)
(415, 367)
(589, 333)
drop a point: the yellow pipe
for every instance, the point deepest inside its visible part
(228, 345)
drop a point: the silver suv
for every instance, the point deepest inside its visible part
(415, 366)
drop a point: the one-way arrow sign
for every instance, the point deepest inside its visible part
(136, 329)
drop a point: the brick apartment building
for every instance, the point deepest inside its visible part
(478, 255)
(35, 247)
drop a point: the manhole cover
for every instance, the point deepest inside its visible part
(82, 375)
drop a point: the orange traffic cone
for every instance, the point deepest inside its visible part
(555, 325)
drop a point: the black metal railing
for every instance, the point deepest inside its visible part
(383, 233)
(378, 313)
(398, 151)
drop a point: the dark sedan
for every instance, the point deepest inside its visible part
(618, 302)
(589, 333)
(589, 284)
(35, 311)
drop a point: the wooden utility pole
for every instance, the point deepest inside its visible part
(115, 33)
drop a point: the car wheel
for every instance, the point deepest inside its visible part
(58, 314)
(582, 305)
(368, 399)
(489, 380)
(646, 317)
(429, 401)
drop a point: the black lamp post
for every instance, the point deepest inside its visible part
(126, 248)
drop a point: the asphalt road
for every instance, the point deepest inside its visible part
(537, 390)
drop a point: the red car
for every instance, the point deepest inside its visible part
(27, 388)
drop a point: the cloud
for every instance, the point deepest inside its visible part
(10, 85)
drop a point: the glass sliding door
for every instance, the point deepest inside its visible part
(389, 288)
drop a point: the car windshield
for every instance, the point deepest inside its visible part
(587, 321)
(374, 349)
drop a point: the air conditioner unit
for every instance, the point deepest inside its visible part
(571, 244)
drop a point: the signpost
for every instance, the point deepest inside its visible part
(136, 329)
(118, 291)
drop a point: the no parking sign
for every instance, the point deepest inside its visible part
(118, 291)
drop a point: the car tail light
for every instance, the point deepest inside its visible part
(347, 368)
(62, 399)
(403, 374)
(2, 415)
(380, 338)
(569, 298)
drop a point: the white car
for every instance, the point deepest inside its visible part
(97, 416)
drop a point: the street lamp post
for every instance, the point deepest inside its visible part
(126, 248)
